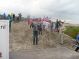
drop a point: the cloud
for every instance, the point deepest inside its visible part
(64, 9)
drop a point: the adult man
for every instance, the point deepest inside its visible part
(57, 25)
(14, 17)
(10, 21)
(35, 34)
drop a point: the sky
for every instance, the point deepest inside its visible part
(61, 9)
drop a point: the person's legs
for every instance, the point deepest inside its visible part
(58, 30)
(33, 37)
(77, 49)
(9, 26)
(41, 31)
(37, 33)
(36, 40)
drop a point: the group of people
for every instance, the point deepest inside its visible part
(14, 18)
(55, 26)
(38, 27)
(11, 16)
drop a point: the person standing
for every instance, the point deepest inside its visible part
(77, 41)
(14, 17)
(57, 25)
(35, 34)
(51, 26)
(10, 21)
(40, 28)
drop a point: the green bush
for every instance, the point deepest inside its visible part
(72, 31)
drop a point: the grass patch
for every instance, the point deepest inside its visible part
(72, 31)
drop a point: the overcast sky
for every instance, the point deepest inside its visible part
(62, 9)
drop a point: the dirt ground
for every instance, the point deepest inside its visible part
(50, 53)
(21, 38)
(49, 47)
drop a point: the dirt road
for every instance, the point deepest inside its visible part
(50, 53)
(49, 46)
